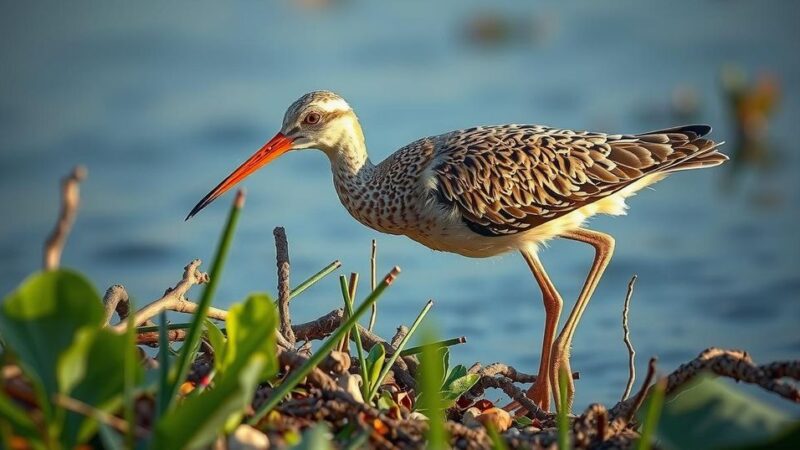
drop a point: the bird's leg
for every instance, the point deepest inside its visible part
(604, 247)
(542, 389)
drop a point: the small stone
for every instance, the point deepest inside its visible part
(470, 417)
(246, 437)
(416, 415)
(352, 384)
(496, 417)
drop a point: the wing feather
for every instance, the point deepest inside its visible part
(510, 178)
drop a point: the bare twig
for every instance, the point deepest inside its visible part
(734, 364)
(116, 299)
(87, 410)
(320, 328)
(507, 385)
(374, 282)
(282, 256)
(174, 299)
(591, 426)
(623, 416)
(401, 332)
(70, 200)
(627, 339)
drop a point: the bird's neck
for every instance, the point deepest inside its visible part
(347, 152)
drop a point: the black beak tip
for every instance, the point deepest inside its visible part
(203, 203)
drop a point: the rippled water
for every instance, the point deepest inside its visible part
(160, 101)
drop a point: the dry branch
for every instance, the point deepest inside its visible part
(70, 200)
(507, 385)
(174, 299)
(116, 300)
(626, 337)
(282, 257)
(734, 364)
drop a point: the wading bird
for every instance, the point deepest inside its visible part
(483, 191)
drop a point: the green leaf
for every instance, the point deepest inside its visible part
(709, 413)
(375, 359)
(523, 421)
(385, 401)
(251, 330)
(102, 383)
(457, 372)
(217, 340)
(40, 319)
(316, 438)
(430, 375)
(198, 420)
(458, 387)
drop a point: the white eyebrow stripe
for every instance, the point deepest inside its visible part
(333, 104)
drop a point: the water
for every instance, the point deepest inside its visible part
(162, 100)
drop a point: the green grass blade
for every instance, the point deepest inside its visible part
(185, 356)
(388, 366)
(130, 364)
(446, 343)
(562, 420)
(654, 408)
(301, 372)
(162, 399)
(314, 278)
(430, 375)
(362, 362)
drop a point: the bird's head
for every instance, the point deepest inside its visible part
(319, 119)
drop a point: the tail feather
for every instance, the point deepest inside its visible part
(692, 149)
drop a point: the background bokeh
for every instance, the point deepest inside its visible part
(160, 100)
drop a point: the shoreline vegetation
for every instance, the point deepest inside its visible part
(248, 377)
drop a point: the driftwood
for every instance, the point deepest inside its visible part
(70, 200)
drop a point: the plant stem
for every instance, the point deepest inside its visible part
(562, 420)
(297, 375)
(388, 366)
(348, 304)
(446, 343)
(193, 335)
(373, 269)
(314, 278)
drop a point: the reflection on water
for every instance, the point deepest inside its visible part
(164, 103)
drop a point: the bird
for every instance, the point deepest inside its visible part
(489, 190)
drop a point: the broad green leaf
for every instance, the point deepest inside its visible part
(251, 329)
(709, 413)
(458, 387)
(456, 373)
(198, 420)
(40, 318)
(375, 359)
(102, 383)
(316, 438)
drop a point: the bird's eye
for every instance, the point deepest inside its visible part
(312, 118)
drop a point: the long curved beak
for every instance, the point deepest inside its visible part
(276, 146)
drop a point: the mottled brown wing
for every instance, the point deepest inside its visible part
(510, 178)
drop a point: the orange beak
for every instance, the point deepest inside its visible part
(276, 146)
